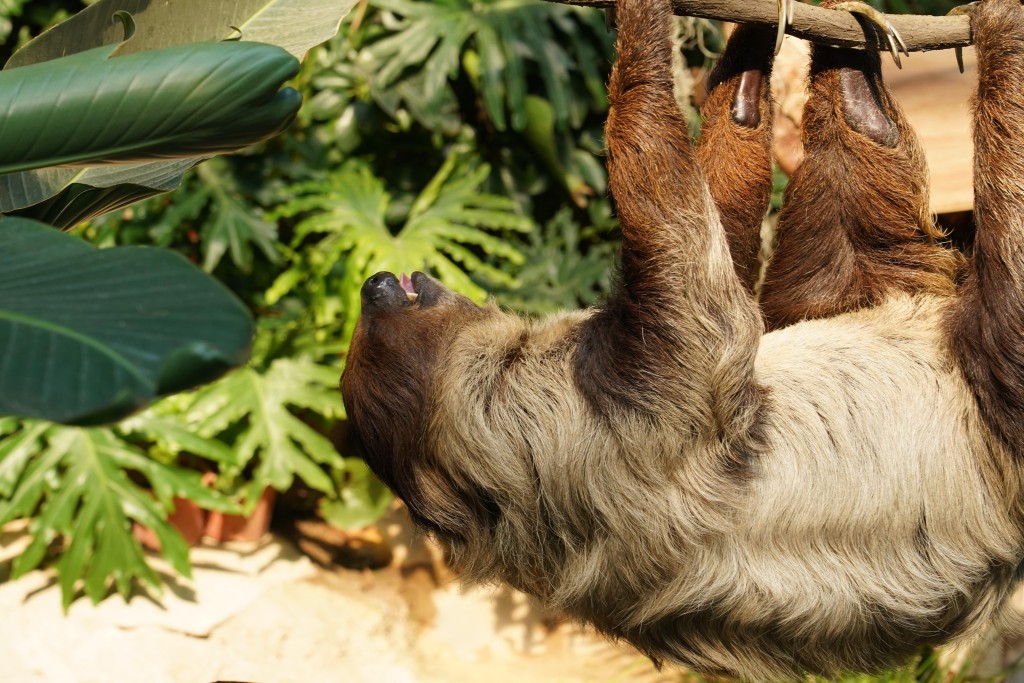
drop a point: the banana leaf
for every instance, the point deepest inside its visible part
(89, 336)
(192, 100)
(66, 196)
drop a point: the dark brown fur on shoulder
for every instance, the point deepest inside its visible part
(856, 224)
(826, 497)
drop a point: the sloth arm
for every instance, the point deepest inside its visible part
(987, 327)
(855, 223)
(735, 144)
(679, 336)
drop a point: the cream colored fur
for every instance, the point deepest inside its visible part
(868, 429)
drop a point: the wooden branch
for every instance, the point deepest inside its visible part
(829, 27)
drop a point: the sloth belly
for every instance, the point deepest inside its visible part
(882, 509)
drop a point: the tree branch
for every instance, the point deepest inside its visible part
(840, 29)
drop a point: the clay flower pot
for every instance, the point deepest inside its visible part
(221, 527)
(188, 518)
(194, 523)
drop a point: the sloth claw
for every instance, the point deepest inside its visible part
(786, 9)
(960, 11)
(878, 20)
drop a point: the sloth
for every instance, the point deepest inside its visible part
(822, 480)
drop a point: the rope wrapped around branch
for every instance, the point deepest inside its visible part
(840, 29)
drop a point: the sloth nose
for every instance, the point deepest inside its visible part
(381, 292)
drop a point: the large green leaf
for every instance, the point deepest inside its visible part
(256, 407)
(67, 196)
(75, 485)
(449, 224)
(295, 25)
(361, 501)
(499, 43)
(193, 100)
(90, 336)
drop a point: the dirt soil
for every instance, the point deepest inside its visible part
(267, 613)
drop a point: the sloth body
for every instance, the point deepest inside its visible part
(870, 514)
(822, 480)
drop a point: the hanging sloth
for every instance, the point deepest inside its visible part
(824, 480)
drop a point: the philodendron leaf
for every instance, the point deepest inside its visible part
(258, 409)
(89, 336)
(64, 196)
(82, 486)
(192, 100)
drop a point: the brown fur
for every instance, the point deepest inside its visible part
(829, 496)
(856, 224)
(988, 323)
(738, 126)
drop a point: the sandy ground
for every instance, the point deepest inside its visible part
(268, 614)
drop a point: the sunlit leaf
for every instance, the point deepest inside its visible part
(446, 225)
(363, 499)
(258, 408)
(73, 195)
(193, 100)
(77, 488)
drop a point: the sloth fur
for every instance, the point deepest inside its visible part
(821, 481)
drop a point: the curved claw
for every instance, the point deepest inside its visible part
(879, 21)
(786, 9)
(960, 11)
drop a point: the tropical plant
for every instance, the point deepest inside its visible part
(559, 272)
(256, 407)
(366, 181)
(186, 101)
(92, 335)
(439, 232)
(81, 488)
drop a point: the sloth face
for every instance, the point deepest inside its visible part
(406, 325)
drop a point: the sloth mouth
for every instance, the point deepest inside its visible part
(409, 287)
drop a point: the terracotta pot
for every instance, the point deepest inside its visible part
(195, 523)
(188, 518)
(222, 527)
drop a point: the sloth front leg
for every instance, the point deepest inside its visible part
(855, 223)
(677, 340)
(735, 144)
(987, 326)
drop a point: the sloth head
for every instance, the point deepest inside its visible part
(388, 386)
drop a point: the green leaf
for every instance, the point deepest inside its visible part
(449, 215)
(91, 336)
(295, 25)
(15, 453)
(78, 488)
(78, 194)
(502, 44)
(191, 100)
(172, 435)
(258, 408)
(233, 227)
(362, 501)
(564, 268)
